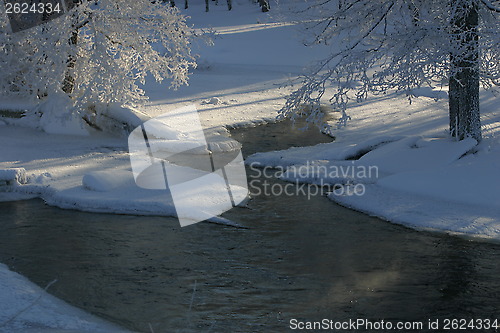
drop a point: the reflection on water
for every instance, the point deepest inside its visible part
(298, 259)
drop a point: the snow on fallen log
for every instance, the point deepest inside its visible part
(105, 181)
(119, 120)
(13, 176)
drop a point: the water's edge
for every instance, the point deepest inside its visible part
(298, 259)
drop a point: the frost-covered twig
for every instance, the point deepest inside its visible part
(192, 296)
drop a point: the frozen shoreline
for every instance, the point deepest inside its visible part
(25, 307)
(424, 183)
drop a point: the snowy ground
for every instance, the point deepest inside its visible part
(24, 307)
(424, 180)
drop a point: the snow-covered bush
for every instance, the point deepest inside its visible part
(98, 53)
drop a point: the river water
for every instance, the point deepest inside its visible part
(296, 259)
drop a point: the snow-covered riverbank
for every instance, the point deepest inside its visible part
(407, 174)
(424, 181)
(25, 307)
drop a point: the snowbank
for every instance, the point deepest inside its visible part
(14, 175)
(25, 307)
(57, 116)
(427, 183)
(472, 180)
(91, 175)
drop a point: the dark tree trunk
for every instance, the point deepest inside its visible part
(464, 77)
(229, 4)
(68, 84)
(206, 5)
(186, 4)
(264, 4)
(172, 2)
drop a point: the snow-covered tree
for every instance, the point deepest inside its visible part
(98, 53)
(379, 45)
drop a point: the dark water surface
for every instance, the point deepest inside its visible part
(298, 258)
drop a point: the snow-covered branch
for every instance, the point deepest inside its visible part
(401, 45)
(105, 49)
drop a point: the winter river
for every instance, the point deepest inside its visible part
(297, 259)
